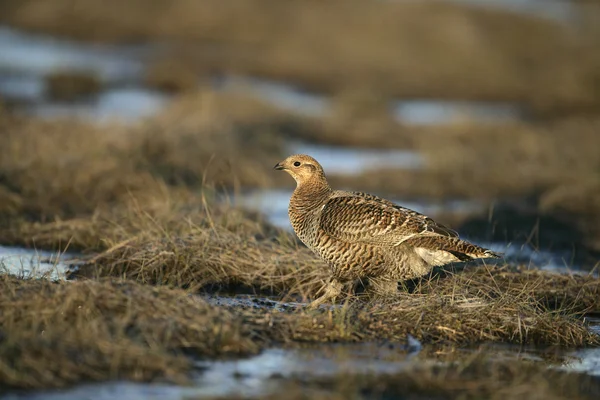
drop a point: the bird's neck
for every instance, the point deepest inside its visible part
(310, 194)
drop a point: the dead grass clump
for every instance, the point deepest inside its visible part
(213, 258)
(468, 308)
(536, 154)
(482, 304)
(67, 169)
(361, 117)
(172, 76)
(68, 86)
(64, 168)
(58, 334)
(577, 294)
(151, 217)
(494, 161)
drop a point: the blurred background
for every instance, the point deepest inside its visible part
(483, 114)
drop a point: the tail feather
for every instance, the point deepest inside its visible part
(491, 254)
(440, 250)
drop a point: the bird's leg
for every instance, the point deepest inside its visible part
(383, 286)
(332, 290)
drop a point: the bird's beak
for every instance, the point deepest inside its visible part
(278, 166)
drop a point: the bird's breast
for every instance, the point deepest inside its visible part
(304, 224)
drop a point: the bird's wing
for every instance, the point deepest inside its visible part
(358, 217)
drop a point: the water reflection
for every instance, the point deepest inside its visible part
(30, 263)
(436, 112)
(26, 58)
(560, 10)
(269, 371)
(349, 160)
(22, 88)
(283, 95)
(32, 54)
(124, 105)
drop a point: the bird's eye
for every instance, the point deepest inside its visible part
(297, 164)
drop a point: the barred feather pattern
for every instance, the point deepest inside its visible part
(364, 236)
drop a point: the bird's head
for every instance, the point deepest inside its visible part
(302, 168)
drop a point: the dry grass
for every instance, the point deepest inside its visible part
(181, 242)
(171, 76)
(70, 86)
(474, 52)
(66, 168)
(182, 245)
(58, 334)
(479, 304)
(491, 161)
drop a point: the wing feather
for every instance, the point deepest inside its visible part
(360, 217)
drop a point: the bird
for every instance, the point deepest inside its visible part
(364, 237)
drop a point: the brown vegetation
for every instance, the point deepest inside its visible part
(145, 198)
(479, 304)
(66, 168)
(69, 86)
(474, 52)
(58, 334)
(172, 76)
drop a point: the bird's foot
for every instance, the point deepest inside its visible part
(332, 290)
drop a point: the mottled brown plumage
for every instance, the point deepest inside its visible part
(362, 236)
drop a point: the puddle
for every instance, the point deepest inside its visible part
(254, 376)
(557, 262)
(264, 372)
(437, 112)
(587, 360)
(283, 95)
(124, 105)
(22, 88)
(34, 263)
(268, 372)
(559, 10)
(34, 54)
(347, 160)
(251, 302)
(26, 58)
(408, 111)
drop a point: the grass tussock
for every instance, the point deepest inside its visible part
(193, 246)
(467, 309)
(65, 169)
(70, 86)
(171, 76)
(474, 52)
(479, 304)
(58, 334)
(491, 161)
